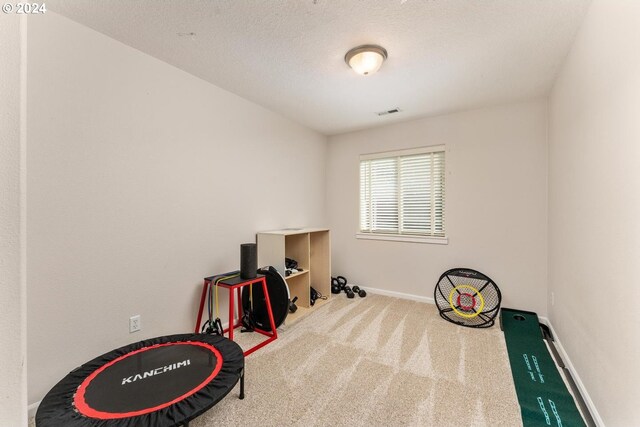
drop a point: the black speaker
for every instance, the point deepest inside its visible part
(248, 260)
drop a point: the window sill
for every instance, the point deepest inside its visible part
(401, 238)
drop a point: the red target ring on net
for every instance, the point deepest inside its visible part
(466, 301)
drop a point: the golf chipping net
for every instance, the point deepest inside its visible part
(467, 297)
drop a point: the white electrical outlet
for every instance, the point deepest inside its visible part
(135, 323)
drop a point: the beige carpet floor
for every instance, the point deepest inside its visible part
(377, 361)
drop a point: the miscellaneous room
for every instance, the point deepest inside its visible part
(315, 212)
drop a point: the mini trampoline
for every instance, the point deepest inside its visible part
(161, 382)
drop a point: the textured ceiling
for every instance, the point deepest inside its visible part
(444, 55)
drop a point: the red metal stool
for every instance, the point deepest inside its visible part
(237, 283)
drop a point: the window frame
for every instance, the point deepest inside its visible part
(397, 237)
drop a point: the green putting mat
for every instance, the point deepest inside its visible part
(542, 394)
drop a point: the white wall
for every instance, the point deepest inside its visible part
(496, 204)
(13, 354)
(594, 208)
(142, 180)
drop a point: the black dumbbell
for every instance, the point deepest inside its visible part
(349, 292)
(356, 289)
(292, 305)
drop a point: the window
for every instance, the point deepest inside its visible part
(402, 195)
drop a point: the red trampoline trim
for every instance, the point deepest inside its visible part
(84, 408)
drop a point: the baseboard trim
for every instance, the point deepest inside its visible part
(576, 377)
(402, 295)
(33, 408)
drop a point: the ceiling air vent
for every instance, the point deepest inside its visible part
(384, 113)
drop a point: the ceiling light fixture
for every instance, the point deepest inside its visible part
(366, 59)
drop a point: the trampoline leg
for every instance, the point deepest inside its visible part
(242, 384)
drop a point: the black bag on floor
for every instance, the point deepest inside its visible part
(255, 305)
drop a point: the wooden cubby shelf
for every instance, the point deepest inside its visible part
(300, 273)
(311, 248)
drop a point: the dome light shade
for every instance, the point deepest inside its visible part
(366, 59)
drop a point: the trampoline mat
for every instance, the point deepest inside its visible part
(164, 381)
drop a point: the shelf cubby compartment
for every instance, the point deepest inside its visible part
(311, 248)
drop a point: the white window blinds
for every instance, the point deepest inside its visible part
(403, 192)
